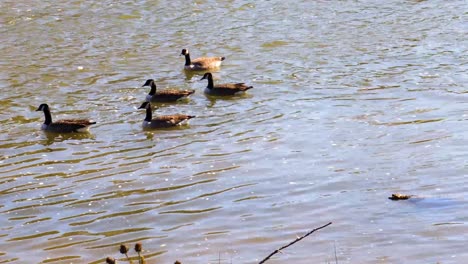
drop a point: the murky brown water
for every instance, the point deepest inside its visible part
(353, 101)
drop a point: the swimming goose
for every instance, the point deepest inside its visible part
(201, 64)
(223, 89)
(64, 125)
(162, 121)
(168, 95)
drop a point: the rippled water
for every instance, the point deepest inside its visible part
(352, 101)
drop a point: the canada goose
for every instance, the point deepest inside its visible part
(223, 89)
(65, 125)
(201, 64)
(169, 95)
(162, 121)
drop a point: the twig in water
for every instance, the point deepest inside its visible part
(295, 241)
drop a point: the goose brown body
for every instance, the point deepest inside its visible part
(167, 95)
(64, 125)
(162, 121)
(223, 89)
(201, 64)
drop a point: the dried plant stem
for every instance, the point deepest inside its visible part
(336, 257)
(128, 259)
(295, 241)
(138, 249)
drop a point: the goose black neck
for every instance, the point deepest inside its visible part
(153, 89)
(187, 59)
(210, 82)
(149, 114)
(48, 116)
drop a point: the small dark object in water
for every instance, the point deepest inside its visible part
(110, 260)
(399, 196)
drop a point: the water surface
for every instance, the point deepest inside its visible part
(352, 101)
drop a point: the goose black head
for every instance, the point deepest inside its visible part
(148, 82)
(184, 52)
(42, 107)
(206, 76)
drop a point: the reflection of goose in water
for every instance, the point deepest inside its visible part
(162, 121)
(64, 125)
(53, 137)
